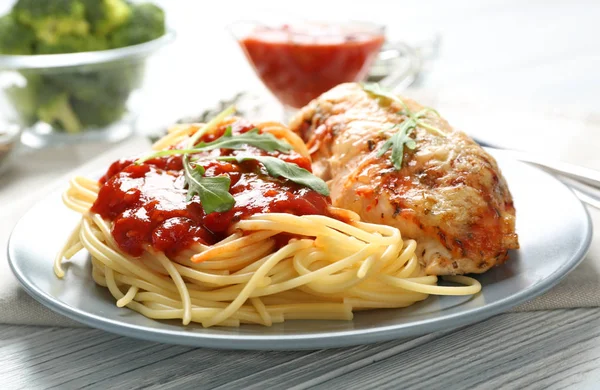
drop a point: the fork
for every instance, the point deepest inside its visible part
(584, 182)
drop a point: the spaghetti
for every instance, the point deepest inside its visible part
(267, 264)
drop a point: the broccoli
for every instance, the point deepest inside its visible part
(51, 19)
(97, 106)
(55, 108)
(72, 44)
(73, 99)
(106, 15)
(14, 37)
(121, 81)
(102, 84)
(147, 22)
(81, 85)
(99, 114)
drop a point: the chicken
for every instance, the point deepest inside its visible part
(449, 194)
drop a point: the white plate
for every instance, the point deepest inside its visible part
(554, 231)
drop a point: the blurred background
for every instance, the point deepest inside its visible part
(547, 52)
(519, 53)
(515, 74)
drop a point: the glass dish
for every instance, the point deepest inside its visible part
(299, 60)
(9, 142)
(98, 94)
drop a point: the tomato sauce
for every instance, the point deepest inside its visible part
(299, 65)
(147, 203)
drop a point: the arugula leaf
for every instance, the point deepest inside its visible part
(208, 127)
(213, 191)
(265, 141)
(279, 168)
(401, 139)
(397, 142)
(424, 112)
(379, 92)
(375, 89)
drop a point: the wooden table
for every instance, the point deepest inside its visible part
(544, 350)
(547, 53)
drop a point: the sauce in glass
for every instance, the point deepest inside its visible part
(298, 64)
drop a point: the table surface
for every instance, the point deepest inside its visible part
(546, 349)
(543, 52)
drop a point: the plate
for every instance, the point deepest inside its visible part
(554, 231)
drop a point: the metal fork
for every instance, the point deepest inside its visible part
(584, 182)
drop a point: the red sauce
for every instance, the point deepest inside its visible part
(299, 65)
(147, 202)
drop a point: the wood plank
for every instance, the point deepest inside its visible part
(538, 350)
(350, 360)
(517, 350)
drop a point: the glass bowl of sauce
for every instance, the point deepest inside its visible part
(298, 62)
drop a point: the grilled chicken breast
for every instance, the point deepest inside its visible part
(448, 194)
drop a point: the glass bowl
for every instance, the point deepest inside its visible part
(10, 133)
(299, 60)
(76, 97)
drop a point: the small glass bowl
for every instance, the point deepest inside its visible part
(76, 97)
(10, 133)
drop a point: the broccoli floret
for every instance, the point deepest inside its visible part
(99, 85)
(120, 82)
(55, 108)
(99, 114)
(77, 98)
(72, 44)
(106, 15)
(14, 37)
(80, 85)
(147, 22)
(99, 97)
(52, 18)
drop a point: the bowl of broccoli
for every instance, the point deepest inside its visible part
(73, 70)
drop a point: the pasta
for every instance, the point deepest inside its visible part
(268, 268)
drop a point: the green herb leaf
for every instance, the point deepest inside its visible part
(265, 141)
(208, 127)
(397, 142)
(375, 89)
(424, 112)
(279, 168)
(379, 92)
(402, 138)
(213, 191)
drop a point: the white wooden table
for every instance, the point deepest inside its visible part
(548, 53)
(543, 350)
